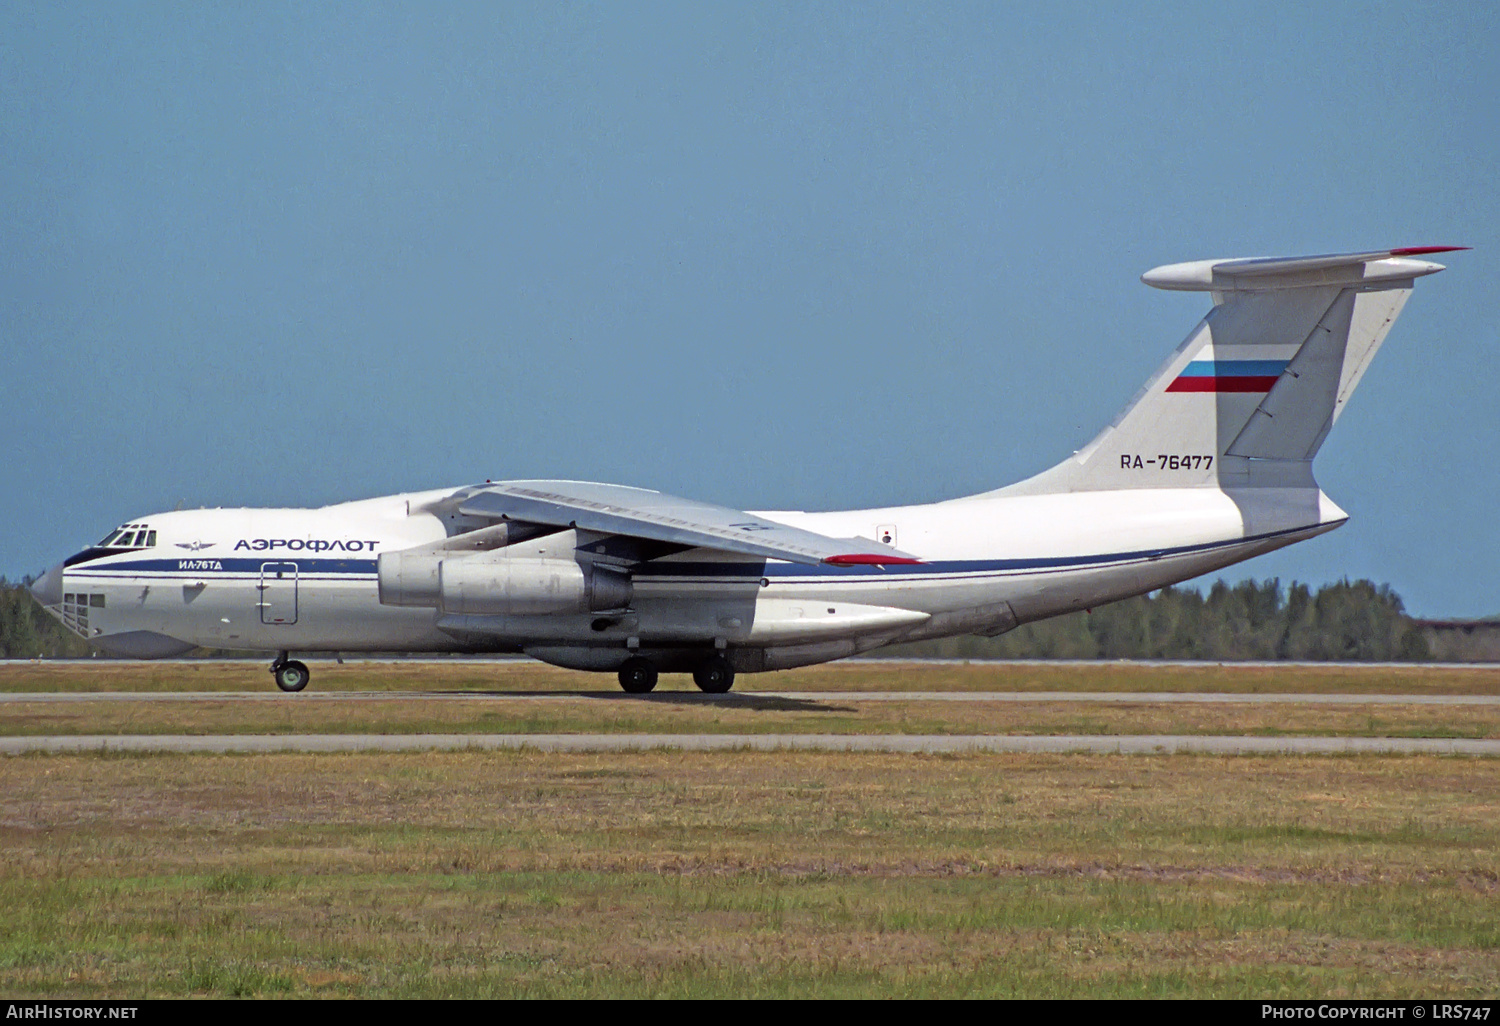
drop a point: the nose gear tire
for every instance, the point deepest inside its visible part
(292, 676)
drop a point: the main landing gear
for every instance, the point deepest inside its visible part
(715, 676)
(638, 675)
(290, 675)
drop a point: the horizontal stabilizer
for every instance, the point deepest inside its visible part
(1249, 397)
(1259, 273)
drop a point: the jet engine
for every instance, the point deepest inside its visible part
(490, 583)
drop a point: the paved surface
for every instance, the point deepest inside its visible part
(1107, 697)
(324, 660)
(1132, 745)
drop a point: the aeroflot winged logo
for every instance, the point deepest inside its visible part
(1228, 376)
(309, 545)
(196, 546)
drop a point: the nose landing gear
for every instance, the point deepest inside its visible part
(290, 675)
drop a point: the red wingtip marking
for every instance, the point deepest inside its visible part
(868, 559)
(1423, 250)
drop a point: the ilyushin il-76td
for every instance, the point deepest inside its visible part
(1210, 464)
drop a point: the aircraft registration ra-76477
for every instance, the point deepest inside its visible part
(1210, 464)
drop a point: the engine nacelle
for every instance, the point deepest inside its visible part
(484, 584)
(409, 579)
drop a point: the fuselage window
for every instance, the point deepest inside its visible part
(150, 539)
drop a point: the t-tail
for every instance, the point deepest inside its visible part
(1247, 400)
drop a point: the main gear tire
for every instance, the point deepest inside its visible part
(715, 676)
(638, 675)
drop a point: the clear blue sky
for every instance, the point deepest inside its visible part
(808, 256)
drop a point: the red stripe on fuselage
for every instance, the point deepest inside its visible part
(870, 559)
(1257, 383)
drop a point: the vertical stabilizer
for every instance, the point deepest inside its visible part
(1248, 398)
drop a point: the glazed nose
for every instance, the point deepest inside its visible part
(48, 588)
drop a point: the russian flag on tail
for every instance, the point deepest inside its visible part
(1228, 376)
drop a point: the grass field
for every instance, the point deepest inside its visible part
(750, 874)
(521, 675)
(617, 714)
(680, 708)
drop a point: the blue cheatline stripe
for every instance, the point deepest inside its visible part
(212, 565)
(940, 567)
(349, 568)
(1233, 369)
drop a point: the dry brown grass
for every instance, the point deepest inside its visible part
(747, 874)
(507, 675)
(471, 874)
(619, 713)
(786, 812)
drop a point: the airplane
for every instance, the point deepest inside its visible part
(1208, 465)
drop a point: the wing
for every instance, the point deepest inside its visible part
(641, 513)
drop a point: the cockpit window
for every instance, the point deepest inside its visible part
(129, 536)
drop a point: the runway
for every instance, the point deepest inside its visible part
(931, 744)
(1163, 744)
(750, 697)
(1262, 664)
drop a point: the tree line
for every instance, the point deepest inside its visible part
(1351, 620)
(27, 631)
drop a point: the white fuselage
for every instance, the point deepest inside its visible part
(305, 579)
(1209, 464)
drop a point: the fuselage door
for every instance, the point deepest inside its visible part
(278, 593)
